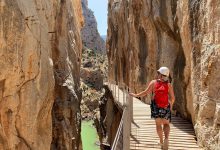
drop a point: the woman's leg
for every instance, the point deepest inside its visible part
(166, 130)
(159, 122)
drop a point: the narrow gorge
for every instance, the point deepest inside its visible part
(54, 65)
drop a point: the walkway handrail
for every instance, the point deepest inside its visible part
(126, 119)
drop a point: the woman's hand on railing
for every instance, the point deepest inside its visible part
(143, 100)
(132, 94)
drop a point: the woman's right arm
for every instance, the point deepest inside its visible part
(148, 90)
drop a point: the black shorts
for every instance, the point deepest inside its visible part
(157, 112)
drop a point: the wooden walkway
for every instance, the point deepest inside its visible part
(143, 132)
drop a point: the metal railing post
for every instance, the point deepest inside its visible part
(115, 90)
(123, 94)
(112, 86)
(127, 124)
(131, 107)
(118, 92)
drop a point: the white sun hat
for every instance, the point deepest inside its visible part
(164, 71)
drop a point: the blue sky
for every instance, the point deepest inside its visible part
(99, 7)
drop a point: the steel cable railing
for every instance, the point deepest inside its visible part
(118, 144)
(122, 138)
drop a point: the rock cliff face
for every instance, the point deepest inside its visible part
(67, 61)
(40, 50)
(93, 72)
(183, 35)
(90, 35)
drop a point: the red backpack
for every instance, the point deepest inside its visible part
(161, 94)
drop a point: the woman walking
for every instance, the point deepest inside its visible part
(161, 107)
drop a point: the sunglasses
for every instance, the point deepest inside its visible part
(161, 74)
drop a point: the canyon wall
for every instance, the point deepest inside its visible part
(182, 35)
(67, 61)
(90, 35)
(40, 49)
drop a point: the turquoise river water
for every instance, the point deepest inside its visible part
(89, 136)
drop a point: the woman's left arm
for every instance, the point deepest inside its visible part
(172, 97)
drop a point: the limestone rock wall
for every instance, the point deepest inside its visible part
(67, 61)
(90, 35)
(40, 49)
(182, 35)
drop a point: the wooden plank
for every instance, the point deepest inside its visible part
(143, 140)
(170, 145)
(140, 147)
(185, 139)
(171, 136)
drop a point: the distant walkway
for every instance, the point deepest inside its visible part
(143, 132)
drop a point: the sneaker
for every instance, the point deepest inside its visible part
(165, 144)
(160, 144)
